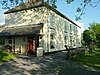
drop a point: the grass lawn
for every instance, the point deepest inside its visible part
(5, 56)
(91, 60)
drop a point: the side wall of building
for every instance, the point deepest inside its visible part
(62, 32)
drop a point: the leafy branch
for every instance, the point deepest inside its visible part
(8, 4)
(84, 4)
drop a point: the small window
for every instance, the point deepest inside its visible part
(70, 27)
(51, 20)
(52, 43)
(65, 40)
(52, 36)
(9, 40)
(74, 29)
(71, 42)
(65, 26)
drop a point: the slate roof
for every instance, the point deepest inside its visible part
(21, 30)
(25, 6)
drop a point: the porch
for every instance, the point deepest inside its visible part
(23, 39)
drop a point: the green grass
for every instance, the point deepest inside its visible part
(91, 60)
(5, 56)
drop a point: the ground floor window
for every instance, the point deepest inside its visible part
(52, 42)
(65, 38)
(9, 40)
(2, 40)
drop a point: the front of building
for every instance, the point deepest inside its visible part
(39, 27)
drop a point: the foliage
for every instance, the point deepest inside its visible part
(7, 4)
(92, 35)
(52, 3)
(86, 37)
(91, 38)
(91, 60)
(95, 28)
(5, 56)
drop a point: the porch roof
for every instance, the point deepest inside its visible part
(20, 30)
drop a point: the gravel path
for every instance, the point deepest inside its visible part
(51, 64)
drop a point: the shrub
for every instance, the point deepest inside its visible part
(5, 56)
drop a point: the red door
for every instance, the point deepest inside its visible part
(31, 46)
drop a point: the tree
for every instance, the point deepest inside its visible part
(7, 4)
(86, 37)
(92, 36)
(95, 28)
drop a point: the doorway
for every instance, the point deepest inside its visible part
(31, 46)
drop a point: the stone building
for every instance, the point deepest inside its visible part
(37, 27)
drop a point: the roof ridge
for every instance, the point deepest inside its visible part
(24, 6)
(42, 3)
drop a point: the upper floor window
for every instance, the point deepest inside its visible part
(75, 29)
(51, 20)
(65, 26)
(71, 27)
